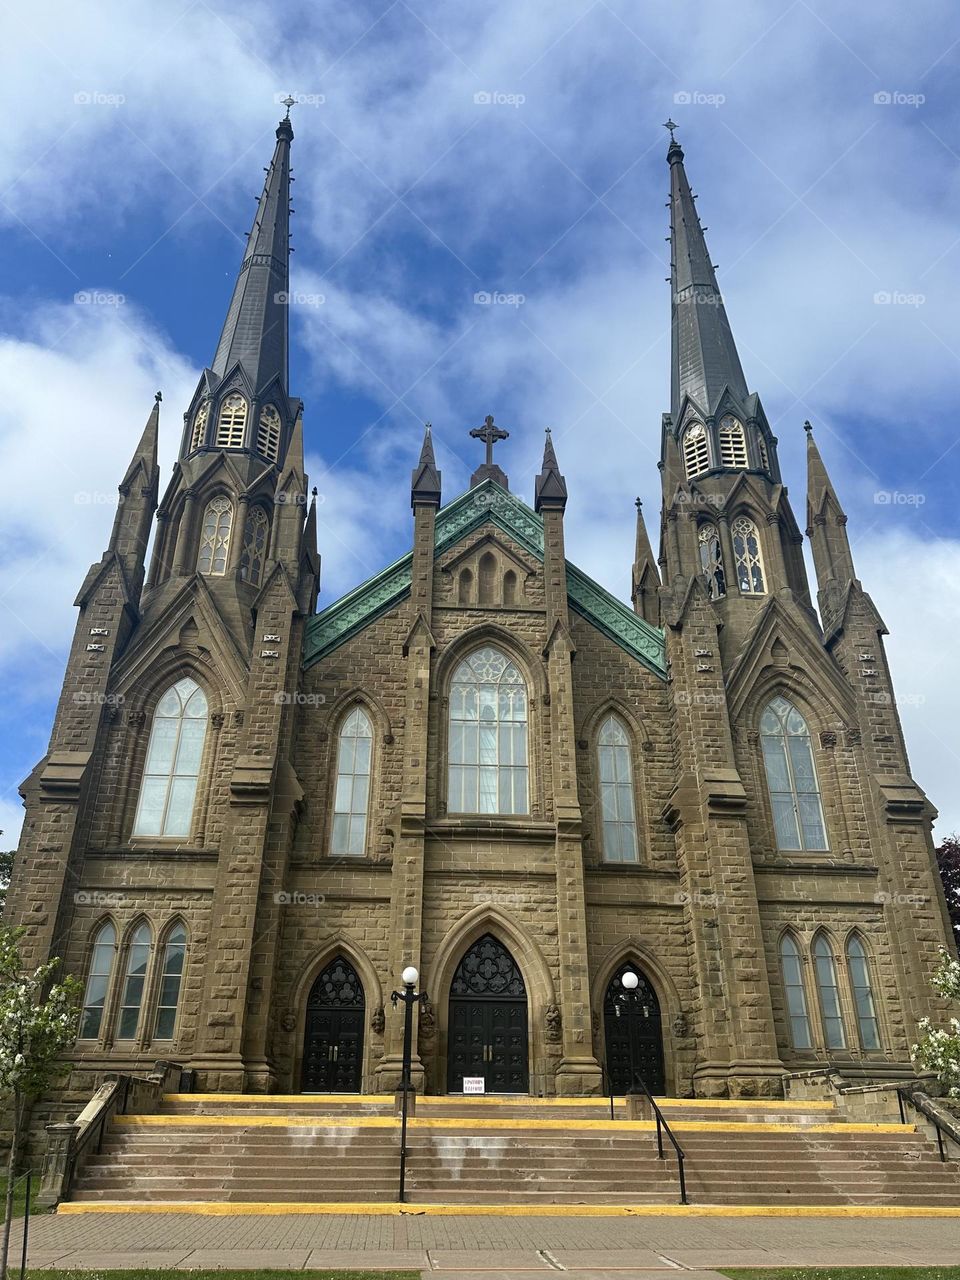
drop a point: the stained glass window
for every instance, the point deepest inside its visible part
(791, 966)
(748, 560)
(616, 792)
(829, 992)
(352, 799)
(171, 977)
(169, 787)
(791, 777)
(131, 1000)
(215, 537)
(255, 535)
(98, 981)
(859, 970)
(487, 751)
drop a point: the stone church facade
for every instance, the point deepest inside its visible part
(253, 815)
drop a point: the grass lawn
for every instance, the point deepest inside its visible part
(20, 1196)
(842, 1273)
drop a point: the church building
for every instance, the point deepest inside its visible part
(253, 815)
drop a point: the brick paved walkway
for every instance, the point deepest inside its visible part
(465, 1245)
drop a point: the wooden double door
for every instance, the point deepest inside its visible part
(633, 1033)
(487, 1026)
(333, 1033)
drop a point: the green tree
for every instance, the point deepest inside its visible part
(948, 863)
(38, 1020)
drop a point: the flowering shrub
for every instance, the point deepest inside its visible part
(938, 1049)
(38, 1020)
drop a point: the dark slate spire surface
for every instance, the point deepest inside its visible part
(704, 356)
(425, 480)
(551, 487)
(255, 331)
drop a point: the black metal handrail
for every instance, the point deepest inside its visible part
(906, 1095)
(663, 1127)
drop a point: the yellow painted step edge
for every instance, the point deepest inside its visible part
(217, 1209)
(509, 1100)
(460, 1122)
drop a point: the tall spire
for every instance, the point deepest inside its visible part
(255, 331)
(704, 356)
(139, 490)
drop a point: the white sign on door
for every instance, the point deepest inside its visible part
(474, 1084)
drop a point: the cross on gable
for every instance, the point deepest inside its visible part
(489, 433)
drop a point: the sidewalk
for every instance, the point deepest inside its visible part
(469, 1245)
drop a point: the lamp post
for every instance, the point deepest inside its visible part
(410, 998)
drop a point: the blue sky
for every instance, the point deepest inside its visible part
(505, 148)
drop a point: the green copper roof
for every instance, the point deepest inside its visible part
(487, 502)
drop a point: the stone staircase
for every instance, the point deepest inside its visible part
(490, 1151)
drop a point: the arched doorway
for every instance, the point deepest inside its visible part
(633, 1034)
(333, 1034)
(488, 1021)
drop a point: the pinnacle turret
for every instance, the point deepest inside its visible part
(645, 579)
(425, 480)
(826, 521)
(551, 488)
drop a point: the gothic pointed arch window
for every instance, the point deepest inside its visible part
(696, 452)
(828, 990)
(256, 533)
(617, 801)
(268, 433)
(102, 957)
(858, 967)
(733, 444)
(215, 535)
(487, 749)
(794, 989)
(747, 556)
(171, 980)
(172, 769)
(488, 969)
(711, 560)
(232, 423)
(352, 797)
(199, 426)
(134, 981)
(791, 777)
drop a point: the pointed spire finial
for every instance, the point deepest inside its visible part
(550, 489)
(158, 397)
(638, 503)
(425, 480)
(289, 101)
(808, 426)
(671, 124)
